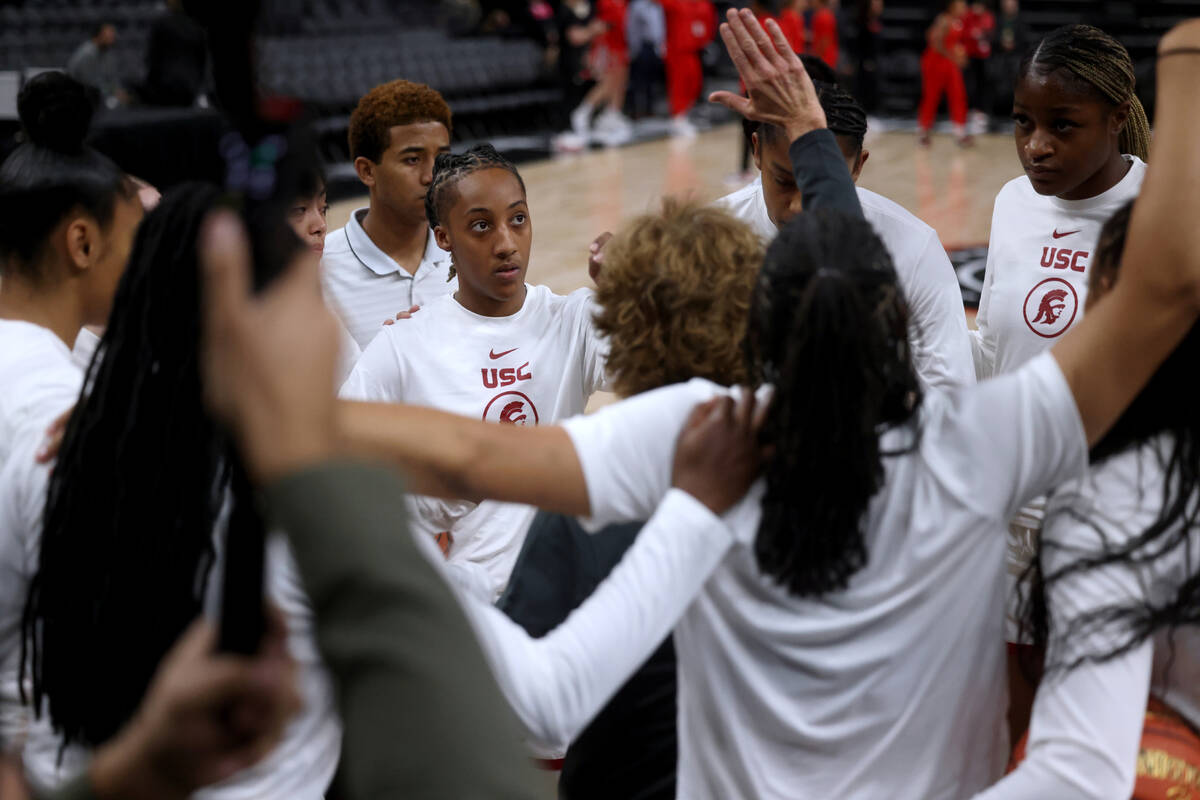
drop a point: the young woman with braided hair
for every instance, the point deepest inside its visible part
(497, 349)
(1083, 139)
(938, 329)
(122, 558)
(1115, 595)
(845, 642)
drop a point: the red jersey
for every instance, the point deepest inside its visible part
(825, 37)
(978, 28)
(691, 24)
(612, 13)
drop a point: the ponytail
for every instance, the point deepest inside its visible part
(829, 329)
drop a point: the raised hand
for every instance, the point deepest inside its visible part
(778, 87)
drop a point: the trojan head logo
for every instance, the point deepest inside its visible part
(1050, 307)
(512, 408)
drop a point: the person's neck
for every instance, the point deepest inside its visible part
(57, 309)
(1113, 171)
(403, 240)
(487, 306)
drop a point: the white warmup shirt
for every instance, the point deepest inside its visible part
(365, 286)
(893, 687)
(535, 367)
(1036, 279)
(938, 327)
(1087, 723)
(1034, 290)
(39, 379)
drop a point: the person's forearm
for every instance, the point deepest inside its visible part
(821, 174)
(556, 684)
(446, 455)
(410, 675)
(1110, 356)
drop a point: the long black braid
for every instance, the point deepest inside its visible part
(449, 169)
(828, 328)
(1165, 406)
(139, 484)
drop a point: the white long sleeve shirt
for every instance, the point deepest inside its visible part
(1035, 283)
(938, 327)
(534, 367)
(1087, 722)
(892, 687)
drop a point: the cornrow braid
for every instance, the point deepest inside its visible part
(1099, 60)
(844, 116)
(449, 169)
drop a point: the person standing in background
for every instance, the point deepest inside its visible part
(870, 47)
(979, 24)
(1012, 37)
(176, 57)
(94, 65)
(646, 38)
(942, 73)
(825, 32)
(691, 25)
(608, 64)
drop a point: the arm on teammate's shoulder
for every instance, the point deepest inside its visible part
(446, 455)
(1109, 356)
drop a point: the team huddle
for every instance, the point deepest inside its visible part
(869, 565)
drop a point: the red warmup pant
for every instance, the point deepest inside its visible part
(939, 74)
(685, 80)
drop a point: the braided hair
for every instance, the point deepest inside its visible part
(1100, 63)
(449, 169)
(1165, 406)
(828, 327)
(844, 115)
(137, 490)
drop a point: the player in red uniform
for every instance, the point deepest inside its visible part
(824, 33)
(941, 72)
(691, 25)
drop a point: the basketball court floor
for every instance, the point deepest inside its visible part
(574, 198)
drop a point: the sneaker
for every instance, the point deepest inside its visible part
(581, 120)
(682, 127)
(924, 139)
(611, 121)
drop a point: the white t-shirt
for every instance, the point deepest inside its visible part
(1035, 285)
(938, 327)
(365, 286)
(1087, 723)
(39, 379)
(894, 687)
(534, 367)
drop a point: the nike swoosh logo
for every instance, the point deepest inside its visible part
(1058, 235)
(494, 355)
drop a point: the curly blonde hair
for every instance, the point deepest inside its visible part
(674, 295)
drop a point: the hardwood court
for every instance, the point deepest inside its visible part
(574, 198)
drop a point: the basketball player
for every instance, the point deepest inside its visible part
(942, 73)
(824, 33)
(498, 349)
(807, 659)
(385, 259)
(1117, 591)
(689, 30)
(1082, 139)
(938, 332)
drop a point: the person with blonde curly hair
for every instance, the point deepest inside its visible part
(386, 260)
(674, 296)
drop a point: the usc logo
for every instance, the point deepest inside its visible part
(1062, 258)
(493, 378)
(511, 408)
(1050, 307)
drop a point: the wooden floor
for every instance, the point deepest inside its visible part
(574, 198)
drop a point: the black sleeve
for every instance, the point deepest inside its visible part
(821, 174)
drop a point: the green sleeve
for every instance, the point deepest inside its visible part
(423, 715)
